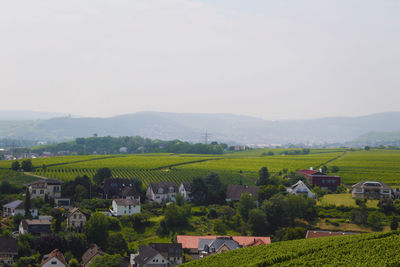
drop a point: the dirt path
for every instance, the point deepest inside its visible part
(329, 161)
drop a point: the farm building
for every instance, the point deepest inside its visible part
(317, 178)
(371, 190)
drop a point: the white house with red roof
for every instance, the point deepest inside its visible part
(54, 259)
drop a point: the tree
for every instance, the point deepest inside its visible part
(220, 227)
(367, 148)
(394, 224)
(58, 218)
(27, 165)
(96, 229)
(265, 192)
(27, 204)
(116, 244)
(375, 220)
(15, 166)
(102, 174)
(74, 242)
(73, 263)
(245, 204)
(294, 233)
(215, 191)
(324, 169)
(107, 261)
(335, 169)
(80, 193)
(45, 244)
(198, 190)
(258, 222)
(263, 176)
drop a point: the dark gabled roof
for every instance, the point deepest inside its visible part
(71, 212)
(168, 250)
(213, 245)
(54, 254)
(370, 184)
(13, 205)
(146, 253)
(46, 181)
(129, 191)
(127, 202)
(8, 245)
(164, 185)
(234, 192)
(93, 251)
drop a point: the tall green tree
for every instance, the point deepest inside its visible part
(27, 165)
(258, 222)
(198, 191)
(27, 204)
(215, 190)
(116, 244)
(107, 261)
(263, 176)
(245, 204)
(15, 166)
(96, 229)
(101, 175)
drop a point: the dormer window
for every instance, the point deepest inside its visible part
(160, 191)
(171, 189)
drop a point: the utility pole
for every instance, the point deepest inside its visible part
(206, 135)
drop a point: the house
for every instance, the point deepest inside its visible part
(300, 188)
(35, 227)
(233, 192)
(125, 207)
(158, 255)
(184, 190)
(317, 178)
(76, 219)
(43, 187)
(119, 188)
(8, 250)
(17, 207)
(90, 254)
(192, 242)
(371, 189)
(163, 191)
(217, 245)
(318, 233)
(54, 259)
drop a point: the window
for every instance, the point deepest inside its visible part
(42, 192)
(74, 216)
(80, 216)
(34, 191)
(54, 262)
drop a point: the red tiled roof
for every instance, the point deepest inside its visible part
(316, 234)
(192, 242)
(306, 172)
(55, 253)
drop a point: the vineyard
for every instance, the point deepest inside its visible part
(376, 249)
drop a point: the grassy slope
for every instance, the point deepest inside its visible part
(17, 178)
(345, 200)
(359, 250)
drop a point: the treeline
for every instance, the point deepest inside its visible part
(130, 144)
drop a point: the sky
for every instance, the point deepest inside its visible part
(274, 59)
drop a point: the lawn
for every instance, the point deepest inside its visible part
(17, 178)
(345, 200)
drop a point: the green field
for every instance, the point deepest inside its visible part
(376, 164)
(233, 167)
(357, 250)
(345, 200)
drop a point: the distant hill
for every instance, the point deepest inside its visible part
(379, 138)
(10, 115)
(226, 128)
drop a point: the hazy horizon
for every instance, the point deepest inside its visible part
(269, 59)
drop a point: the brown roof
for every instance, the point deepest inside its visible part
(234, 192)
(89, 254)
(45, 181)
(36, 222)
(317, 233)
(127, 202)
(54, 254)
(169, 250)
(164, 185)
(129, 191)
(192, 242)
(8, 245)
(146, 253)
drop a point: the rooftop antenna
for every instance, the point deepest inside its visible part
(206, 135)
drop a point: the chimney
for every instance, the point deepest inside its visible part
(320, 170)
(311, 168)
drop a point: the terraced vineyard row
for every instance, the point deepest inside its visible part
(377, 249)
(146, 176)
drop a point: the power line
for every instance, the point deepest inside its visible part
(206, 136)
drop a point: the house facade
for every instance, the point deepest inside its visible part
(17, 207)
(54, 259)
(322, 180)
(158, 255)
(8, 250)
(184, 190)
(122, 207)
(371, 190)
(77, 219)
(217, 245)
(163, 191)
(300, 188)
(41, 188)
(90, 254)
(35, 227)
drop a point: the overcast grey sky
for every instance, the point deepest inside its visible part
(277, 59)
